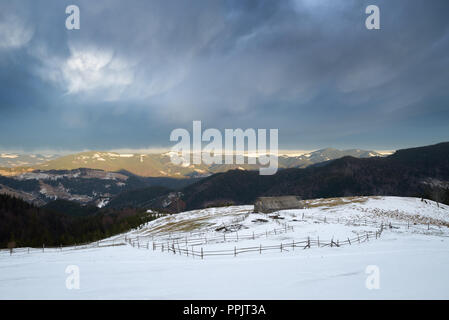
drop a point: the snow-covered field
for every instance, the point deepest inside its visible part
(411, 256)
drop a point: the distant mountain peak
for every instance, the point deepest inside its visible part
(159, 165)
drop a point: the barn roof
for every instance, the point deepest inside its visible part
(270, 204)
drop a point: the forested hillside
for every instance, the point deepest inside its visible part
(23, 224)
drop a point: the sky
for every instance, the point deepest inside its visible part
(136, 70)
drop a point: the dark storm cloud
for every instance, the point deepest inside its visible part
(138, 69)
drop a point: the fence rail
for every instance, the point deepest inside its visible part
(226, 237)
(308, 243)
(61, 248)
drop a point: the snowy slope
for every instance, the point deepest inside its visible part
(412, 255)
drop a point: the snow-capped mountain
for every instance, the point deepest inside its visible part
(160, 165)
(12, 160)
(323, 155)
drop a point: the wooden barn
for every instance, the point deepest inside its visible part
(271, 204)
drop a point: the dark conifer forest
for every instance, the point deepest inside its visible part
(22, 224)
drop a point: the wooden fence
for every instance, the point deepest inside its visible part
(180, 244)
(176, 247)
(60, 248)
(225, 237)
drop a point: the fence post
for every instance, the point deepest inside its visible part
(43, 247)
(253, 235)
(332, 241)
(154, 248)
(281, 246)
(318, 241)
(302, 216)
(235, 251)
(224, 237)
(201, 252)
(349, 241)
(293, 245)
(308, 242)
(260, 249)
(237, 234)
(367, 237)
(162, 248)
(266, 233)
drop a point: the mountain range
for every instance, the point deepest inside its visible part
(12, 160)
(156, 165)
(95, 178)
(422, 172)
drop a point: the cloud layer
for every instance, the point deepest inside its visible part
(138, 69)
